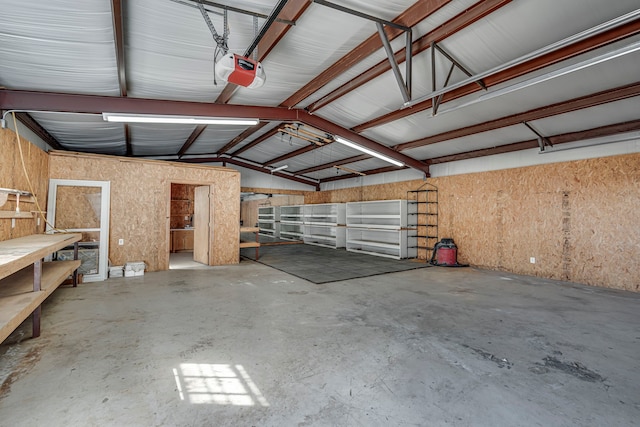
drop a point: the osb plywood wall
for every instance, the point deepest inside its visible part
(140, 204)
(182, 205)
(12, 175)
(249, 209)
(579, 220)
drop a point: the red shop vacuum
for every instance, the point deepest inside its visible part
(445, 254)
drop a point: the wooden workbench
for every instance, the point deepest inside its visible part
(250, 244)
(26, 281)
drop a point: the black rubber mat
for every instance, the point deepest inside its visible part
(323, 265)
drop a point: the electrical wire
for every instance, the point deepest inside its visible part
(26, 174)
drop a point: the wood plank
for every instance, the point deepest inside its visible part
(249, 229)
(16, 254)
(14, 310)
(53, 273)
(14, 214)
(249, 245)
(17, 299)
(201, 241)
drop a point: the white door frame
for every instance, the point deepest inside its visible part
(105, 187)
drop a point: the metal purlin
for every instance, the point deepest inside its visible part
(403, 83)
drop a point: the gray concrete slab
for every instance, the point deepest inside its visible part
(320, 264)
(248, 345)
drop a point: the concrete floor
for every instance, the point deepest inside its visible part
(248, 345)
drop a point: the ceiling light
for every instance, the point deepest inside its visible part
(192, 120)
(348, 143)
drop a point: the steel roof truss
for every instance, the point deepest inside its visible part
(405, 86)
(543, 141)
(435, 101)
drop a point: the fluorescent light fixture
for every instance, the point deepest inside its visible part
(348, 143)
(191, 120)
(279, 168)
(625, 50)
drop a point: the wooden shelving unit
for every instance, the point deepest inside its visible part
(181, 240)
(380, 228)
(248, 243)
(26, 281)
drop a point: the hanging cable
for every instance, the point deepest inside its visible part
(26, 174)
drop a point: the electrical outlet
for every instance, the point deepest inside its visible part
(532, 260)
(121, 242)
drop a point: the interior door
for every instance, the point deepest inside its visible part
(201, 226)
(82, 207)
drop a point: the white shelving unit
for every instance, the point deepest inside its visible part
(380, 228)
(268, 221)
(324, 225)
(382, 242)
(292, 222)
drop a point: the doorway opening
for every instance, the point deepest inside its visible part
(189, 225)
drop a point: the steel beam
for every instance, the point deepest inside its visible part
(127, 140)
(602, 131)
(580, 103)
(594, 42)
(329, 165)
(42, 133)
(118, 35)
(369, 172)
(257, 168)
(75, 103)
(96, 104)
(244, 135)
(294, 153)
(362, 15)
(457, 23)
(455, 62)
(192, 138)
(333, 129)
(240, 11)
(256, 141)
(410, 17)
(542, 140)
(392, 61)
(265, 27)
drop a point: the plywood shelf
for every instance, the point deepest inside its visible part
(16, 215)
(16, 254)
(249, 244)
(21, 290)
(21, 282)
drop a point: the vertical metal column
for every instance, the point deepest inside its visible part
(37, 282)
(75, 272)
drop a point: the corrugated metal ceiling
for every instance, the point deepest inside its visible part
(72, 47)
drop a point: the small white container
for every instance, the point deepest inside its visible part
(116, 271)
(132, 269)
